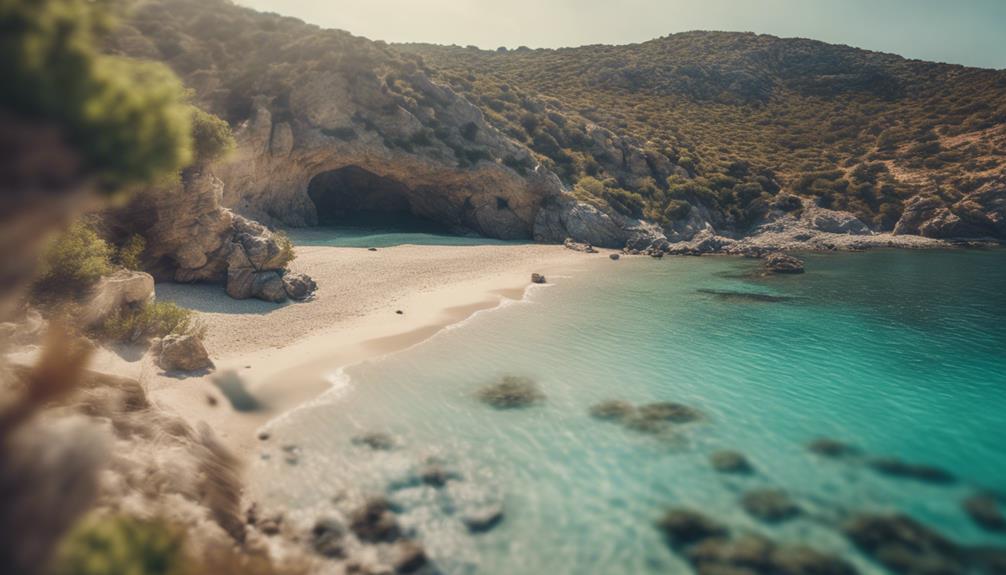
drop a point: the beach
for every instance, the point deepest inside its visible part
(281, 353)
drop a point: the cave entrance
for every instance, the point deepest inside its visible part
(355, 197)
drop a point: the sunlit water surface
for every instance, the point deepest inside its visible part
(900, 353)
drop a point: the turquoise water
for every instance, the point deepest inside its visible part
(382, 237)
(900, 353)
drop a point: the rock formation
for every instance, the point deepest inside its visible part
(191, 237)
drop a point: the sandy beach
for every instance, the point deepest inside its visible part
(281, 353)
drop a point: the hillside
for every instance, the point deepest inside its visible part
(854, 129)
(664, 138)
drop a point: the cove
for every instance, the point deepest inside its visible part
(897, 353)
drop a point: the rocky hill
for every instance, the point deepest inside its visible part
(697, 132)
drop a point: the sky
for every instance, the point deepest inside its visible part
(969, 32)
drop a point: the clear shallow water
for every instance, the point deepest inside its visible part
(382, 237)
(901, 353)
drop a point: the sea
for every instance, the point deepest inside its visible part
(897, 354)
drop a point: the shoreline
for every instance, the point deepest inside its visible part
(283, 377)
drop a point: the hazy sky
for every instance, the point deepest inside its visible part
(967, 32)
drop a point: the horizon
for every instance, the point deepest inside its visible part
(927, 30)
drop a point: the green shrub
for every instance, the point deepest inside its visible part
(285, 247)
(677, 210)
(211, 136)
(122, 546)
(156, 319)
(74, 260)
(127, 118)
(130, 252)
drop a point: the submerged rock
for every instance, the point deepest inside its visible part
(683, 527)
(182, 353)
(374, 522)
(669, 411)
(613, 410)
(376, 440)
(744, 295)
(984, 511)
(511, 392)
(769, 505)
(780, 263)
(409, 557)
(483, 519)
(731, 462)
(901, 469)
(833, 448)
(756, 555)
(327, 538)
(904, 545)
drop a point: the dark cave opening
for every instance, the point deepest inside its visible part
(353, 196)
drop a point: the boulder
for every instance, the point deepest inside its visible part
(537, 278)
(781, 263)
(769, 505)
(374, 522)
(511, 392)
(731, 462)
(614, 256)
(122, 289)
(299, 286)
(182, 353)
(268, 286)
(578, 246)
(835, 222)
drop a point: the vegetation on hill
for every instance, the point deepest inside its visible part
(747, 114)
(745, 121)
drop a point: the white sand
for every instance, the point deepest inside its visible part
(281, 352)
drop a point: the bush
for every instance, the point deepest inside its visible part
(130, 252)
(122, 546)
(74, 260)
(211, 136)
(285, 247)
(127, 118)
(156, 319)
(677, 210)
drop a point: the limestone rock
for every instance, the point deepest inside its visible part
(299, 286)
(780, 263)
(182, 353)
(835, 222)
(122, 289)
(268, 286)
